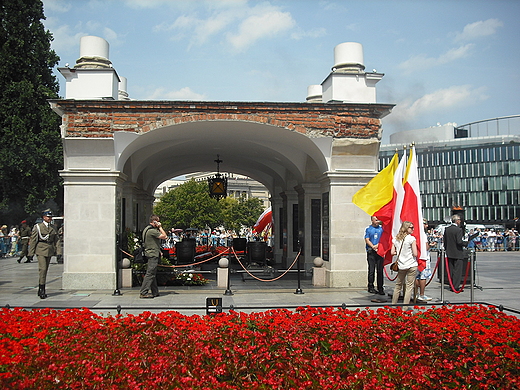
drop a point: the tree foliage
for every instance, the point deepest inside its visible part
(189, 205)
(249, 209)
(31, 150)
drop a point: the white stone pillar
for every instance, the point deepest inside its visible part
(354, 163)
(90, 229)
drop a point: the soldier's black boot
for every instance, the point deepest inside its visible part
(41, 291)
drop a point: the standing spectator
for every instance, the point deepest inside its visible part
(43, 244)
(405, 248)
(471, 242)
(375, 262)
(500, 241)
(14, 235)
(223, 238)
(4, 235)
(152, 236)
(25, 235)
(426, 273)
(59, 246)
(213, 238)
(511, 240)
(454, 246)
(492, 239)
(205, 237)
(484, 240)
(478, 240)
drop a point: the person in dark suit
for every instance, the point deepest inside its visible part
(454, 247)
(43, 244)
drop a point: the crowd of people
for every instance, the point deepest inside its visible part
(207, 237)
(488, 239)
(9, 241)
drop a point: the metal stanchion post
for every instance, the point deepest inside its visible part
(228, 290)
(117, 292)
(298, 290)
(472, 274)
(443, 263)
(300, 239)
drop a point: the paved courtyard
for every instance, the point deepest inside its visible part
(497, 276)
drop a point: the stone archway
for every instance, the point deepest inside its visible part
(311, 157)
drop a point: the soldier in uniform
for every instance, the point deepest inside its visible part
(44, 238)
(25, 235)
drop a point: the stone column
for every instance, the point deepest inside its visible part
(90, 229)
(309, 191)
(354, 163)
(276, 205)
(292, 247)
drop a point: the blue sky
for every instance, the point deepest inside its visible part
(444, 61)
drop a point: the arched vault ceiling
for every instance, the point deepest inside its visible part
(268, 154)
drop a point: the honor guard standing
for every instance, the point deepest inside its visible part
(43, 244)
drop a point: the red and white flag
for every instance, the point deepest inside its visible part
(391, 227)
(412, 206)
(264, 221)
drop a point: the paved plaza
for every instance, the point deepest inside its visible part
(497, 278)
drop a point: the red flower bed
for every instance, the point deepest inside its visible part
(468, 347)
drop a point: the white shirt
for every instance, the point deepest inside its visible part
(406, 259)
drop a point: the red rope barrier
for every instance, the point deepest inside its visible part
(451, 281)
(266, 280)
(386, 273)
(199, 262)
(429, 281)
(184, 265)
(434, 271)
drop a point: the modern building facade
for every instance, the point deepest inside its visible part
(475, 167)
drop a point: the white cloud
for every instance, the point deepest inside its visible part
(212, 26)
(421, 62)
(260, 25)
(455, 97)
(456, 53)
(482, 28)
(332, 6)
(313, 33)
(140, 4)
(60, 6)
(66, 39)
(240, 24)
(182, 94)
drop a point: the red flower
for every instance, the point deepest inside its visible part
(464, 347)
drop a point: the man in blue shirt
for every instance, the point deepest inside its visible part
(375, 262)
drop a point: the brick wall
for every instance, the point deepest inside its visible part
(102, 118)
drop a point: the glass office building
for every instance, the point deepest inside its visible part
(472, 170)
